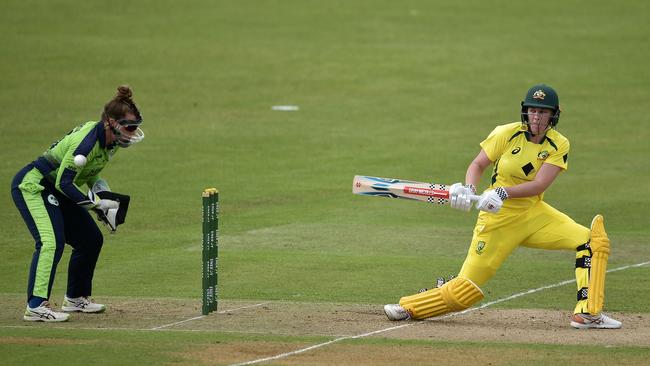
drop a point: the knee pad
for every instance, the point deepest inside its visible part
(455, 295)
(599, 244)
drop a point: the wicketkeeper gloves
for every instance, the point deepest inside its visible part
(110, 207)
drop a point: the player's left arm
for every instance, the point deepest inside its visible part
(80, 143)
(65, 180)
(544, 178)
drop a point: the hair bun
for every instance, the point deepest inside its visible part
(124, 92)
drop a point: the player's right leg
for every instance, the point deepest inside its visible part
(456, 295)
(40, 210)
(491, 245)
(86, 240)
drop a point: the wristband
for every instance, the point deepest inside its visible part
(502, 193)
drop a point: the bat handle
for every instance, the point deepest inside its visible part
(474, 198)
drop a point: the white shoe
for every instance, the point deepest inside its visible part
(396, 312)
(44, 313)
(601, 321)
(83, 304)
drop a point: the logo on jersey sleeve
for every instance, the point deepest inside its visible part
(542, 155)
(73, 167)
(480, 247)
(516, 150)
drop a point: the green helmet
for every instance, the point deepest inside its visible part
(541, 96)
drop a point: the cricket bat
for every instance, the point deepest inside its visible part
(405, 189)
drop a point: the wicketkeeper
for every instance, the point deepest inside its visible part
(527, 157)
(48, 194)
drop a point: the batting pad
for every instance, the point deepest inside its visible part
(583, 266)
(600, 254)
(455, 295)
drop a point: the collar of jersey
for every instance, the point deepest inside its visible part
(101, 134)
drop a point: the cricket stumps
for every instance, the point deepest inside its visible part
(210, 197)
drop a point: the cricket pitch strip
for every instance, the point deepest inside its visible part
(330, 330)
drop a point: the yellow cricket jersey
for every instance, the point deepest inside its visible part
(517, 160)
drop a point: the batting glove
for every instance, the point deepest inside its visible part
(459, 197)
(492, 200)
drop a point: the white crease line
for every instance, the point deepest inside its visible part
(203, 316)
(319, 345)
(179, 322)
(243, 307)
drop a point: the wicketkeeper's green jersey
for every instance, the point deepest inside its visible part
(57, 162)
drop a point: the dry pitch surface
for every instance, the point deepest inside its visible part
(342, 322)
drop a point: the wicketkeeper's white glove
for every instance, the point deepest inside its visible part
(492, 200)
(106, 210)
(106, 205)
(459, 197)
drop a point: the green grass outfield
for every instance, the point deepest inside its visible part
(133, 347)
(395, 89)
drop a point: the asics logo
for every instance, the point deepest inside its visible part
(52, 200)
(45, 315)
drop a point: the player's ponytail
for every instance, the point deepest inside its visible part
(121, 104)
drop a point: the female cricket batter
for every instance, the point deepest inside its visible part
(527, 157)
(48, 195)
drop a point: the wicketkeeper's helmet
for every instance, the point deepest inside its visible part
(133, 126)
(541, 96)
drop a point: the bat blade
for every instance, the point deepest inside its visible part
(400, 188)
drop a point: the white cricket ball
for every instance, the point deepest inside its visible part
(80, 160)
